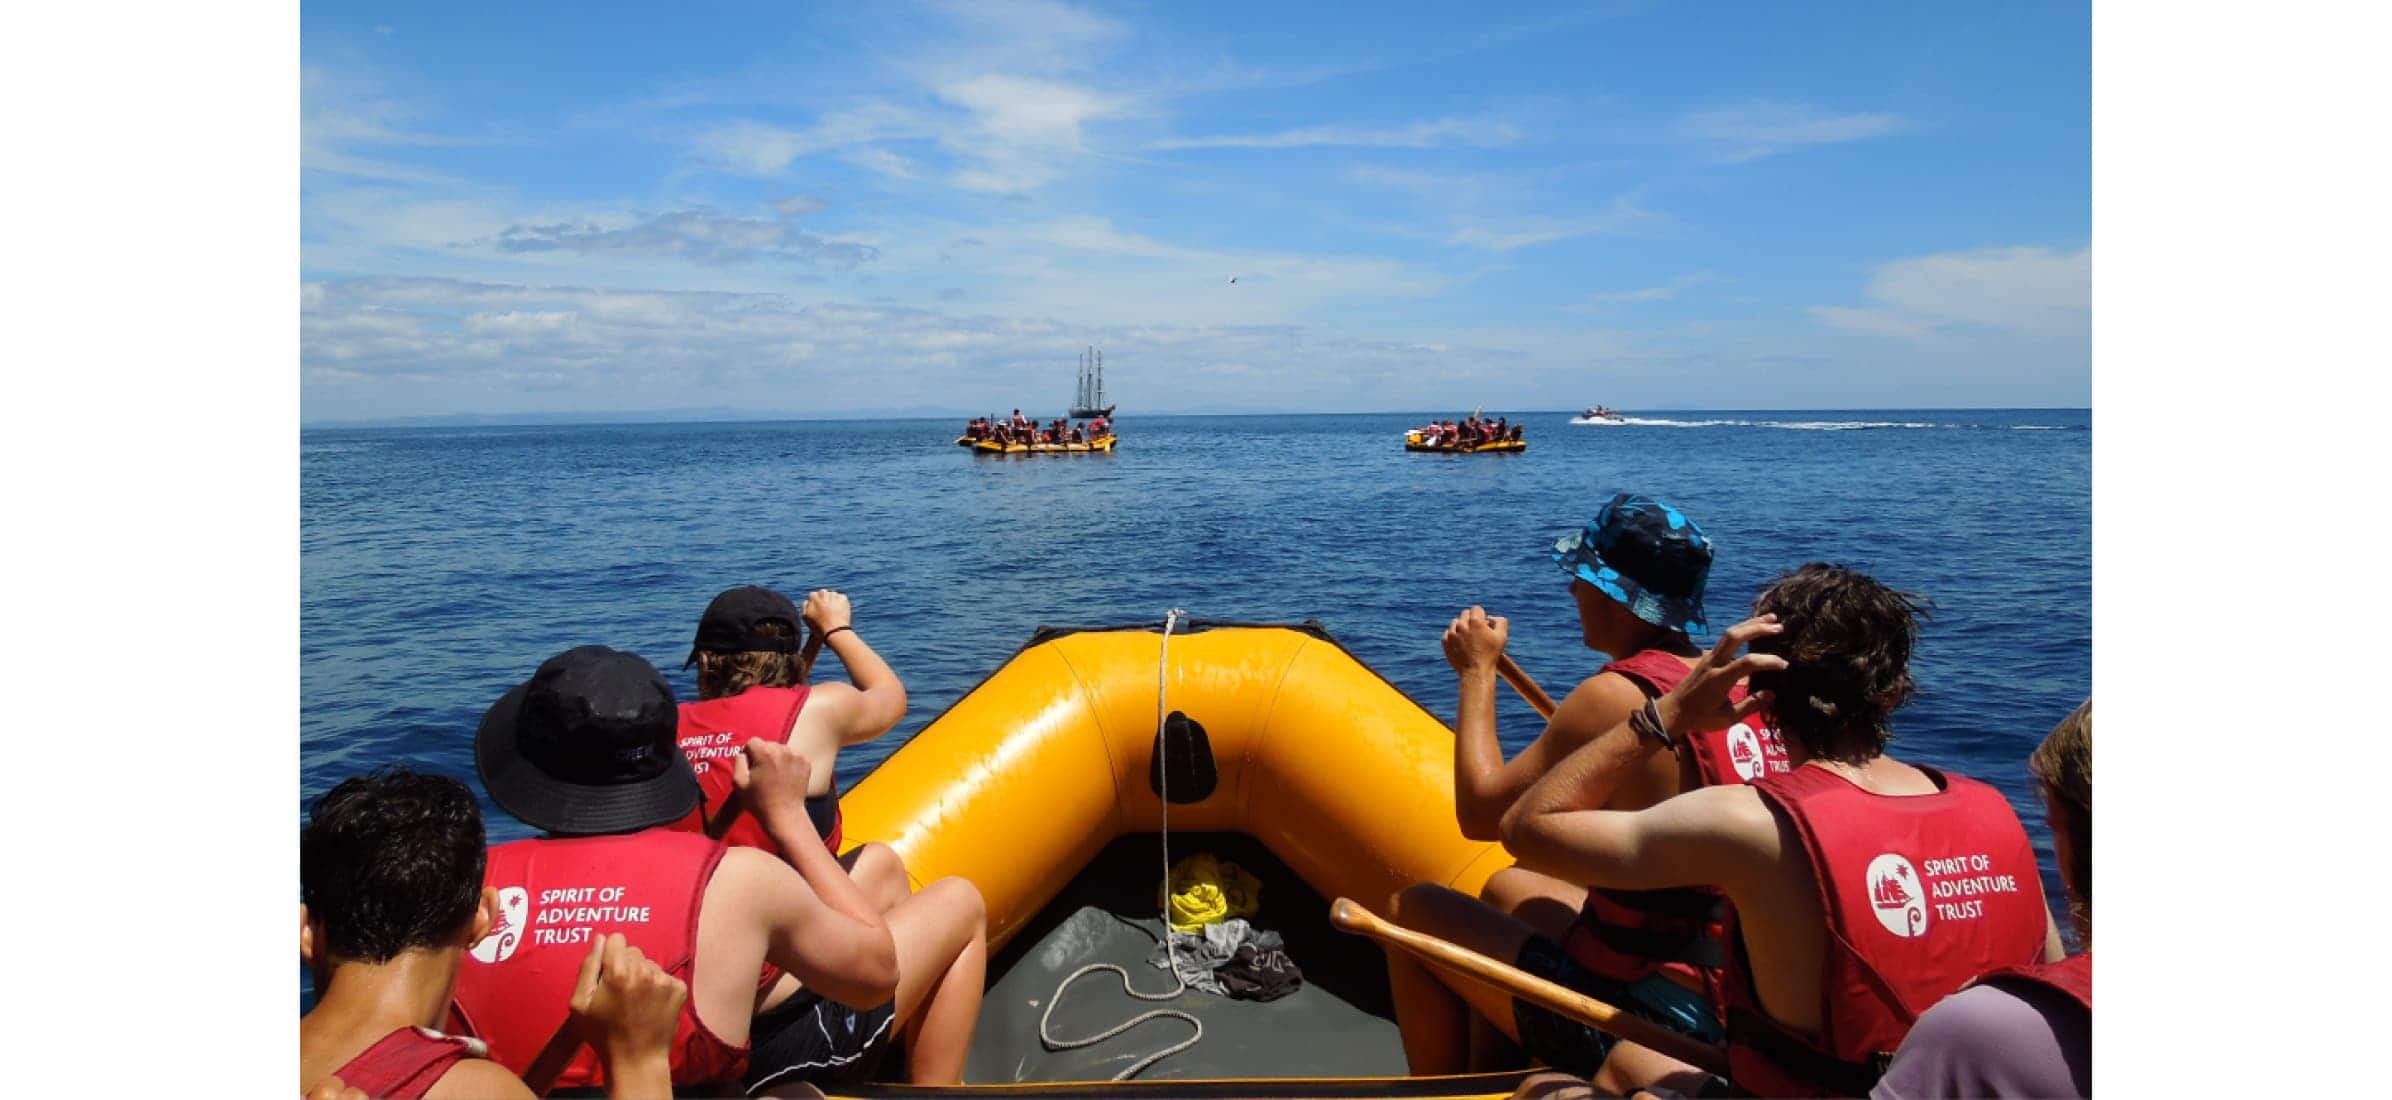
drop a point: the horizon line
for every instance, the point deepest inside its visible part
(589, 418)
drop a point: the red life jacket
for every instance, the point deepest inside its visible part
(556, 897)
(1630, 934)
(1921, 895)
(406, 1063)
(712, 730)
(2072, 976)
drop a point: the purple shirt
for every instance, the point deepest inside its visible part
(1995, 1040)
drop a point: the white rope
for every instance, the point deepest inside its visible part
(1179, 984)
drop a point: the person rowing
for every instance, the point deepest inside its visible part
(585, 751)
(754, 666)
(1863, 889)
(755, 684)
(391, 898)
(1637, 574)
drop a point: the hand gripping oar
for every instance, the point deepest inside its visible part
(1569, 1002)
(736, 803)
(1516, 676)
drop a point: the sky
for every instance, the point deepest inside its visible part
(934, 208)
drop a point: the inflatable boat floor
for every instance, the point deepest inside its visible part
(1340, 1024)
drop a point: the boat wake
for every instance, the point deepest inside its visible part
(1805, 425)
(1795, 425)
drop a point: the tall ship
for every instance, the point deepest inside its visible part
(1089, 400)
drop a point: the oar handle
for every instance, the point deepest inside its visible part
(550, 1063)
(1516, 676)
(1347, 915)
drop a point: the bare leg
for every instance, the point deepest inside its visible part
(1430, 1002)
(1555, 1086)
(1543, 902)
(942, 966)
(879, 874)
(1631, 1067)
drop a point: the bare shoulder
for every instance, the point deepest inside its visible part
(478, 1079)
(1598, 703)
(1608, 688)
(1729, 811)
(829, 702)
(742, 865)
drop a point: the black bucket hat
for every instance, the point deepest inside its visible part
(1647, 556)
(587, 747)
(729, 624)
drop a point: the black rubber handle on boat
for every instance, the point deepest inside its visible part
(1347, 915)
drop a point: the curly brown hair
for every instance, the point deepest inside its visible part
(1846, 642)
(2063, 765)
(726, 674)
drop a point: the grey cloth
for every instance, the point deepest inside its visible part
(1200, 953)
(1995, 1040)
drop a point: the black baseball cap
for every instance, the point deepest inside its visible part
(729, 624)
(587, 747)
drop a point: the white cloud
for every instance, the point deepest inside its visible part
(510, 346)
(1510, 233)
(1419, 135)
(749, 147)
(1761, 128)
(699, 236)
(798, 206)
(343, 112)
(2033, 290)
(1660, 293)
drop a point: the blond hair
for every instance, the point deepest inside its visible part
(726, 674)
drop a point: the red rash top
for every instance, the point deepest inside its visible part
(406, 1063)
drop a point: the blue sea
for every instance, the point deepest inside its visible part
(440, 566)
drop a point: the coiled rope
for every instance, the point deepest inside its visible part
(1179, 984)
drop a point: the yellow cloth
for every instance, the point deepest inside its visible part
(1206, 891)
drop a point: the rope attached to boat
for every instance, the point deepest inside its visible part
(1179, 984)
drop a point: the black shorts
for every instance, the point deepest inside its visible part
(1573, 1047)
(811, 1038)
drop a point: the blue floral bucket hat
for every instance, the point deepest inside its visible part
(1646, 555)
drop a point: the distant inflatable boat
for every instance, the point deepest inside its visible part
(1101, 444)
(1415, 441)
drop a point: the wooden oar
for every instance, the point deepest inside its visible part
(736, 803)
(1345, 914)
(1516, 676)
(550, 1063)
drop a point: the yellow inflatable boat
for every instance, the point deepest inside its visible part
(1281, 752)
(1101, 444)
(1415, 441)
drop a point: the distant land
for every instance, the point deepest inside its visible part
(731, 415)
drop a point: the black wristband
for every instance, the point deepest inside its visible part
(826, 635)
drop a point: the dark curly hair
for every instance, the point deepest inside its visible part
(390, 861)
(1846, 642)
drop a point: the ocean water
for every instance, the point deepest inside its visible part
(441, 566)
